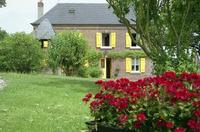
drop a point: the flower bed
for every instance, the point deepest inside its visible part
(167, 102)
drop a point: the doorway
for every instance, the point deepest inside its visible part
(108, 67)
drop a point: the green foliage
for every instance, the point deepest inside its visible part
(116, 73)
(95, 72)
(2, 3)
(125, 54)
(20, 52)
(164, 29)
(3, 34)
(68, 50)
(83, 72)
(93, 58)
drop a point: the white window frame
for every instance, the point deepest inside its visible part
(134, 64)
(134, 47)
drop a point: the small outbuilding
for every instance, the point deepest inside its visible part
(44, 33)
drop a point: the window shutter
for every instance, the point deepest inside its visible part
(128, 64)
(142, 65)
(113, 40)
(128, 40)
(45, 44)
(98, 40)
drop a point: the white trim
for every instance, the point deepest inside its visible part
(106, 47)
(134, 61)
(135, 47)
(138, 72)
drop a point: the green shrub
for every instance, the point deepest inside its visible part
(93, 57)
(20, 52)
(95, 72)
(83, 72)
(68, 50)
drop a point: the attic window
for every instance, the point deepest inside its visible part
(71, 11)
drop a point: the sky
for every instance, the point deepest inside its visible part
(18, 14)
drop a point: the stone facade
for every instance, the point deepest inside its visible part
(90, 31)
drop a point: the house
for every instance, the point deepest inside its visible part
(104, 33)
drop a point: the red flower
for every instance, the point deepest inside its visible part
(108, 96)
(87, 97)
(160, 123)
(169, 75)
(141, 117)
(123, 118)
(196, 113)
(191, 124)
(198, 126)
(94, 105)
(85, 100)
(99, 82)
(169, 124)
(98, 96)
(179, 129)
(137, 124)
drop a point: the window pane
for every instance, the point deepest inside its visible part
(135, 64)
(134, 44)
(137, 61)
(133, 68)
(105, 39)
(137, 68)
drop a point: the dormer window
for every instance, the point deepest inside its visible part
(71, 11)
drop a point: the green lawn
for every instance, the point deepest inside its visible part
(43, 103)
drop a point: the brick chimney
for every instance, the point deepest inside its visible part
(40, 8)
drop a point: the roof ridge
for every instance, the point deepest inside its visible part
(82, 3)
(87, 13)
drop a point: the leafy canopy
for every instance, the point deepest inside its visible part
(20, 52)
(3, 34)
(164, 28)
(2, 3)
(68, 50)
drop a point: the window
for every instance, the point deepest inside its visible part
(45, 44)
(134, 44)
(135, 64)
(105, 40)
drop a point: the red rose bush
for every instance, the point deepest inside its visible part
(169, 102)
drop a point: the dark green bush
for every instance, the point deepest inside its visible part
(83, 72)
(95, 72)
(20, 52)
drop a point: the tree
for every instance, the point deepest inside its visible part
(165, 28)
(3, 34)
(2, 3)
(68, 50)
(20, 52)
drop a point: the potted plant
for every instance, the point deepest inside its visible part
(169, 102)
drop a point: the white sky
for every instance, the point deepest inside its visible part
(18, 14)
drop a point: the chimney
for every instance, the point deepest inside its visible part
(40, 8)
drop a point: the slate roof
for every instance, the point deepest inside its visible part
(44, 30)
(85, 13)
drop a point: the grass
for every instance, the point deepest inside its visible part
(43, 103)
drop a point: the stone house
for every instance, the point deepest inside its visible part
(103, 31)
